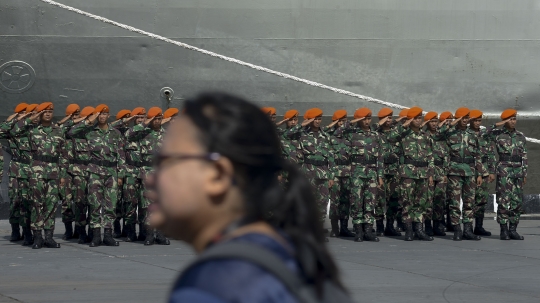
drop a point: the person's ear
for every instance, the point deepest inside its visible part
(219, 177)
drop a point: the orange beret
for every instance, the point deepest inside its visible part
(87, 111)
(403, 113)
(445, 115)
(102, 108)
(138, 111)
(313, 113)
(170, 112)
(31, 107)
(362, 112)
(414, 112)
(123, 114)
(72, 108)
(508, 113)
(269, 110)
(45, 106)
(385, 112)
(291, 114)
(20, 107)
(430, 116)
(475, 114)
(462, 112)
(339, 114)
(154, 112)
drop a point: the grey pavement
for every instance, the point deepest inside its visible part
(392, 270)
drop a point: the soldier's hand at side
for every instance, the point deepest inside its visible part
(431, 183)
(445, 179)
(280, 178)
(479, 181)
(307, 122)
(381, 183)
(62, 182)
(491, 178)
(120, 182)
(524, 180)
(330, 183)
(282, 121)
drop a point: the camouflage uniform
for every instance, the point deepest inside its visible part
(123, 206)
(15, 203)
(340, 191)
(66, 191)
(488, 163)
(290, 150)
(133, 183)
(511, 170)
(389, 195)
(48, 166)
(318, 159)
(437, 192)
(465, 162)
(106, 166)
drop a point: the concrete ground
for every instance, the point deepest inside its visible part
(392, 270)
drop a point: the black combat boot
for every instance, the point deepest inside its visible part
(409, 233)
(359, 233)
(335, 228)
(15, 233)
(90, 235)
(69, 231)
(142, 232)
(149, 240)
(468, 232)
(457, 232)
(76, 231)
(96, 237)
(420, 233)
(131, 233)
(124, 230)
(449, 226)
(479, 227)
(513, 232)
(117, 229)
(369, 235)
(160, 239)
(344, 229)
(108, 239)
(38, 239)
(28, 238)
(438, 228)
(390, 231)
(380, 227)
(49, 241)
(83, 237)
(504, 232)
(429, 228)
(401, 226)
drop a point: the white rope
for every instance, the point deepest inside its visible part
(233, 60)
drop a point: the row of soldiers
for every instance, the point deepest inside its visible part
(92, 168)
(414, 170)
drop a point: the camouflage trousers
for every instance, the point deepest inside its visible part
(437, 201)
(388, 200)
(339, 198)
(132, 194)
(481, 198)
(322, 195)
(144, 202)
(102, 196)
(363, 199)
(464, 188)
(66, 197)
(44, 203)
(414, 199)
(509, 199)
(19, 201)
(79, 190)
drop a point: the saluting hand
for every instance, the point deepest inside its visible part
(456, 121)
(36, 115)
(424, 124)
(407, 123)
(400, 118)
(11, 117)
(282, 121)
(443, 123)
(333, 123)
(307, 122)
(501, 123)
(92, 118)
(384, 120)
(163, 121)
(356, 120)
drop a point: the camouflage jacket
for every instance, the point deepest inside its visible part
(21, 167)
(315, 150)
(120, 125)
(106, 149)
(364, 146)
(487, 152)
(464, 151)
(131, 149)
(149, 142)
(290, 148)
(340, 147)
(513, 144)
(47, 145)
(77, 152)
(440, 158)
(391, 151)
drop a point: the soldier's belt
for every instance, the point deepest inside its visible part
(438, 162)
(21, 160)
(509, 158)
(133, 163)
(358, 159)
(316, 162)
(47, 159)
(79, 161)
(485, 159)
(390, 160)
(103, 163)
(147, 163)
(343, 162)
(462, 160)
(416, 163)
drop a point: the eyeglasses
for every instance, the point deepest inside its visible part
(160, 158)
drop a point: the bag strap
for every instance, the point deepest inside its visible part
(262, 258)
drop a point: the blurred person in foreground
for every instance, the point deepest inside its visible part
(215, 185)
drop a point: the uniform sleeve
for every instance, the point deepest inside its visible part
(491, 132)
(294, 132)
(397, 133)
(117, 124)
(525, 163)
(331, 159)
(5, 128)
(63, 161)
(137, 132)
(430, 159)
(492, 159)
(22, 127)
(79, 130)
(478, 160)
(446, 161)
(380, 157)
(441, 133)
(121, 158)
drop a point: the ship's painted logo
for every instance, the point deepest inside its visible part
(16, 76)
